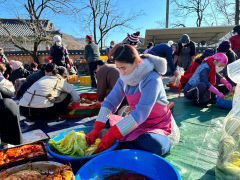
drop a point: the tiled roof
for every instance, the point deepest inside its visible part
(20, 28)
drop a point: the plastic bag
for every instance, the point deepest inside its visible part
(228, 164)
(174, 82)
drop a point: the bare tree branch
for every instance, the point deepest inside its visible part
(105, 17)
(35, 10)
(197, 7)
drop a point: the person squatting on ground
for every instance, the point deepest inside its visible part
(46, 99)
(150, 125)
(204, 79)
(197, 61)
(91, 54)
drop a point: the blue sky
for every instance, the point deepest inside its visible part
(154, 12)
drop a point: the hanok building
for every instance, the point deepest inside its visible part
(20, 30)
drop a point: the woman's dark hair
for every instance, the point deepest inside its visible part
(50, 67)
(100, 62)
(62, 71)
(8, 71)
(126, 53)
(41, 67)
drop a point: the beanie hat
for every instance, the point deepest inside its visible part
(236, 29)
(89, 38)
(219, 57)
(57, 38)
(224, 47)
(184, 39)
(15, 64)
(208, 52)
(133, 39)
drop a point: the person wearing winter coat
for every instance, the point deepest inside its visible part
(10, 131)
(7, 89)
(150, 125)
(225, 47)
(3, 58)
(131, 39)
(59, 54)
(107, 76)
(197, 61)
(30, 80)
(235, 40)
(43, 99)
(18, 71)
(186, 52)
(91, 54)
(204, 79)
(165, 51)
(108, 50)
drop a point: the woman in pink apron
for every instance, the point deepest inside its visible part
(149, 126)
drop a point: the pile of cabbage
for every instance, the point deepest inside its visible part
(229, 96)
(73, 144)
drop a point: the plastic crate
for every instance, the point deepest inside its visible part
(72, 79)
(85, 80)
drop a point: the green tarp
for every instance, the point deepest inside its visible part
(196, 154)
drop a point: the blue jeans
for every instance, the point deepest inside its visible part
(151, 142)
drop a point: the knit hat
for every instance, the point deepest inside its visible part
(133, 39)
(208, 52)
(236, 29)
(184, 39)
(89, 38)
(224, 47)
(219, 57)
(15, 64)
(57, 38)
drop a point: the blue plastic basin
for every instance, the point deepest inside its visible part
(129, 161)
(224, 103)
(77, 162)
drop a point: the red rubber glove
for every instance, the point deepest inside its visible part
(227, 84)
(95, 133)
(109, 138)
(49, 58)
(69, 62)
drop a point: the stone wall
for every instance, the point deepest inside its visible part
(27, 59)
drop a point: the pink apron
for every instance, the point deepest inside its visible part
(158, 121)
